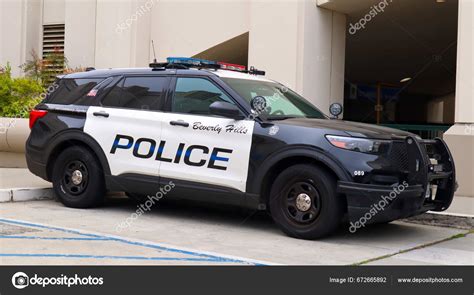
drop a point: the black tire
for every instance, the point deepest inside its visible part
(87, 193)
(306, 220)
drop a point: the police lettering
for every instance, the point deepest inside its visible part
(214, 158)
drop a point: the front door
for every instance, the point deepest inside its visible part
(199, 147)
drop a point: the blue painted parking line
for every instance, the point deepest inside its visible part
(197, 256)
(47, 227)
(53, 255)
(55, 238)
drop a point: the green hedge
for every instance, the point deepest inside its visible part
(18, 95)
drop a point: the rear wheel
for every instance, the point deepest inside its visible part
(78, 179)
(304, 203)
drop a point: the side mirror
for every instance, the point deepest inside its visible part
(336, 109)
(225, 109)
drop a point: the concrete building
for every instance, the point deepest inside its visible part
(389, 61)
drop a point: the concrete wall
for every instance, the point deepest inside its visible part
(53, 12)
(460, 137)
(295, 42)
(80, 20)
(13, 135)
(20, 31)
(441, 109)
(185, 28)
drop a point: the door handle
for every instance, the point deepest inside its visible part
(101, 114)
(179, 123)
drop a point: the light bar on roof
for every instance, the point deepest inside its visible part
(204, 63)
(190, 61)
(232, 67)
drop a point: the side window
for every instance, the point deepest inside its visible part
(72, 91)
(142, 93)
(195, 95)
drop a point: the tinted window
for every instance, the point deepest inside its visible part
(143, 93)
(195, 95)
(72, 91)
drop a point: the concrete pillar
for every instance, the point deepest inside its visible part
(302, 46)
(460, 137)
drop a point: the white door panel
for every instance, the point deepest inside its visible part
(210, 150)
(119, 136)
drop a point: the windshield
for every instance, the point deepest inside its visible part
(281, 102)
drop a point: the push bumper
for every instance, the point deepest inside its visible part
(430, 185)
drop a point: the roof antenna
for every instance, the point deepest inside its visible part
(154, 54)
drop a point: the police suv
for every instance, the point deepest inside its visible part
(221, 132)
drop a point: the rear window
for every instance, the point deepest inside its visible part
(139, 93)
(73, 91)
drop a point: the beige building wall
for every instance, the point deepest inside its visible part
(20, 31)
(53, 12)
(460, 137)
(80, 20)
(295, 42)
(185, 28)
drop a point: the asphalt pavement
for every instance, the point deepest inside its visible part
(177, 232)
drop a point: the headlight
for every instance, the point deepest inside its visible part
(371, 146)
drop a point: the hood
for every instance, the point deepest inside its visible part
(350, 128)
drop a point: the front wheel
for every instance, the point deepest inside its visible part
(78, 179)
(304, 203)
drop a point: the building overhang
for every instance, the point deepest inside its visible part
(345, 6)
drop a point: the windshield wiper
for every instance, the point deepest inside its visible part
(280, 118)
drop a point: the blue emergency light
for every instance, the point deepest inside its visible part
(187, 62)
(190, 61)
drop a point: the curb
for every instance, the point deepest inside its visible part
(25, 194)
(452, 220)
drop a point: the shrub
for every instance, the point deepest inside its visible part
(45, 70)
(18, 95)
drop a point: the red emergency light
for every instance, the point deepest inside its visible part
(231, 67)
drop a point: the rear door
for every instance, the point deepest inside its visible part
(199, 147)
(128, 124)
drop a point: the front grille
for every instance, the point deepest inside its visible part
(398, 156)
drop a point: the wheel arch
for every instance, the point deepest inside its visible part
(71, 138)
(276, 163)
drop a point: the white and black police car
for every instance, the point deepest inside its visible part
(224, 133)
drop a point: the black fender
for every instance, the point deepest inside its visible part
(255, 184)
(72, 137)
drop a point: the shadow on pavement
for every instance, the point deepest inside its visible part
(236, 216)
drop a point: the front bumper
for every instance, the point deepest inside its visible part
(430, 185)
